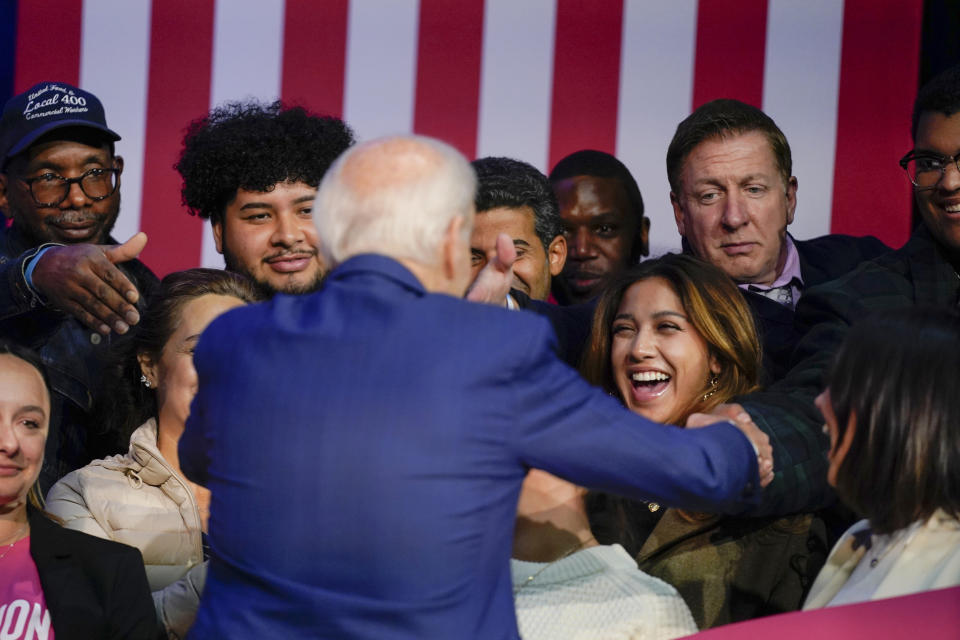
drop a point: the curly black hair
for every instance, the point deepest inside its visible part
(253, 146)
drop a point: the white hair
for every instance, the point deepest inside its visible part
(394, 196)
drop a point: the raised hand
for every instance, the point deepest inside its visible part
(82, 280)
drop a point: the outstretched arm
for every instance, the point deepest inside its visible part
(83, 280)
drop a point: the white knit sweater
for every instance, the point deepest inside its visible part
(596, 594)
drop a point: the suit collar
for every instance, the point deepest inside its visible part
(812, 271)
(372, 264)
(53, 556)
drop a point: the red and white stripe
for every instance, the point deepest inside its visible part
(531, 79)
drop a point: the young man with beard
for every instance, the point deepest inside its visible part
(252, 169)
(65, 285)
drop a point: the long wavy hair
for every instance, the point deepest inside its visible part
(715, 308)
(719, 313)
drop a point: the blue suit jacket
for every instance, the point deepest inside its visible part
(365, 446)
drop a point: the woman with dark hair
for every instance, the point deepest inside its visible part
(672, 337)
(54, 581)
(892, 411)
(141, 498)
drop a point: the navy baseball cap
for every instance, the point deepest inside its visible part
(44, 107)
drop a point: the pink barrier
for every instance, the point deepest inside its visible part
(931, 614)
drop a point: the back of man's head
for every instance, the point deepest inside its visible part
(254, 146)
(939, 95)
(720, 119)
(505, 182)
(394, 196)
(589, 162)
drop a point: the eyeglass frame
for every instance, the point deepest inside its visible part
(912, 155)
(69, 181)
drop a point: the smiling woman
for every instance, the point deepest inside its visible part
(672, 337)
(52, 579)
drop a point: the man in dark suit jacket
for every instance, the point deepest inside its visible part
(924, 272)
(365, 444)
(733, 196)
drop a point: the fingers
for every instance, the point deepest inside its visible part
(702, 420)
(720, 413)
(83, 281)
(506, 252)
(126, 251)
(122, 253)
(492, 284)
(761, 443)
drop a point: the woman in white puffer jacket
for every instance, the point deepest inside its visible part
(140, 498)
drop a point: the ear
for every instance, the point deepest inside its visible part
(557, 255)
(217, 227)
(715, 367)
(791, 198)
(644, 236)
(677, 213)
(148, 368)
(118, 163)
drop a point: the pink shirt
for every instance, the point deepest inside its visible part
(789, 275)
(23, 610)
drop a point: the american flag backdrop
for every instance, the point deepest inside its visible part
(531, 79)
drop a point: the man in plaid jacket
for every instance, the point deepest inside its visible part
(924, 272)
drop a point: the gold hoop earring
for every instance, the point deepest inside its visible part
(713, 387)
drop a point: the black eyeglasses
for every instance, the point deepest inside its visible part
(50, 189)
(925, 169)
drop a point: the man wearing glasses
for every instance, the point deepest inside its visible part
(66, 287)
(925, 272)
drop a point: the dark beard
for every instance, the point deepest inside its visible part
(265, 288)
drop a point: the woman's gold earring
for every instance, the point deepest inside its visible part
(713, 387)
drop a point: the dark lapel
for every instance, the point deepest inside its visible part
(812, 267)
(66, 587)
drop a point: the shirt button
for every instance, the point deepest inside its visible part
(95, 338)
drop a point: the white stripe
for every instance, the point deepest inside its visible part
(113, 66)
(247, 63)
(516, 80)
(381, 67)
(800, 88)
(656, 92)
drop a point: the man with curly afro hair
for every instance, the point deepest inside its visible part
(253, 169)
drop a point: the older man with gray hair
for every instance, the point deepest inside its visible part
(365, 444)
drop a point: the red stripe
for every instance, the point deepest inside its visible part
(448, 72)
(48, 42)
(181, 47)
(314, 55)
(878, 83)
(586, 77)
(731, 40)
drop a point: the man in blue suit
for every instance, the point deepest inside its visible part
(365, 444)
